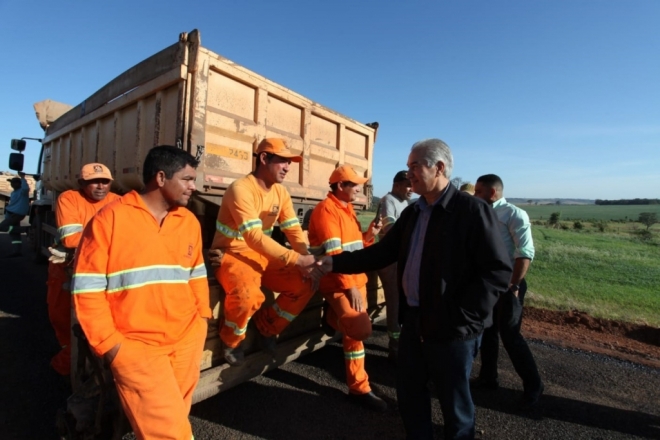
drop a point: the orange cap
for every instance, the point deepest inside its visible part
(346, 173)
(277, 147)
(95, 171)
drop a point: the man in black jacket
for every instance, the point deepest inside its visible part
(452, 265)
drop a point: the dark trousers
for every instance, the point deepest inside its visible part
(507, 319)
(448, 366)
(12, 224)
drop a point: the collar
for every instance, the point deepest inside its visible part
(499, 202)
(442, 200)
(348, 207)
(134, 199)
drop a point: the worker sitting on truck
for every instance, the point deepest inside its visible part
(15, 212)
(333, 228)
(249, 210)
(141, 295)
(73, 210)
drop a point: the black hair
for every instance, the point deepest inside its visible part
(491, 181)
(168, 159)
(269, 157)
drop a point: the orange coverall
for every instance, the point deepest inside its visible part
(334, 228)
(253, 259)
(143, 285)
(72, 212)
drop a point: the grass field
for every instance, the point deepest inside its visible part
(589, 212)
(609, 275)
(613, 274)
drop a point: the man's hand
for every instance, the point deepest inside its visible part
(306, 265)
(354, 298)
(215, 256)
(323, 266)
(374, 228)
(110, 355)
(58, 255)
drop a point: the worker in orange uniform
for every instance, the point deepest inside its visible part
(250, 208)
(334, 228)
(141, 295)
(73, 209)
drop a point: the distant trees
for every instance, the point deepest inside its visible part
(648, 219)
(554, 219)
(628, 202)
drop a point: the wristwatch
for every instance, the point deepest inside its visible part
(514, 287)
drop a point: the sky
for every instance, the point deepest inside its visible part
(560, 98)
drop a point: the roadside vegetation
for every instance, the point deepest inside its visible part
(596, 259)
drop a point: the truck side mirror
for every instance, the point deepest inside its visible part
(16, 161)
(18, 144)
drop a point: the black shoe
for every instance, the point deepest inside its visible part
(369, 401)
(268, 344)
(234, 356)
(478, 383)
(325, 325)
(532, 398)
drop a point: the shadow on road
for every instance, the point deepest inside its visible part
(568, 410)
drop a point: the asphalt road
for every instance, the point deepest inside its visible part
(587, 396)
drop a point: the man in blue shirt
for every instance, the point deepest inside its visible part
(15, 212)
(516, 232)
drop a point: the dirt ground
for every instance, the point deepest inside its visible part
(574, 329)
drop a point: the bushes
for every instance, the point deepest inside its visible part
(553, 222)
(601, 225)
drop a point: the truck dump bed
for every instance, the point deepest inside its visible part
(186, 95)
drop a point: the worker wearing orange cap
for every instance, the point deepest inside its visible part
(334, 228)
(250, 208)
(73, 209)
(141, 295)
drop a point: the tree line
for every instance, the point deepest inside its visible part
(628, 202)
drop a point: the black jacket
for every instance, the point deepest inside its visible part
(465, 265)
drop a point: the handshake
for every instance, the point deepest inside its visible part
(310, 267)
(314, 268)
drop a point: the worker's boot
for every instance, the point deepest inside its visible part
(369, 401)
(234, 356)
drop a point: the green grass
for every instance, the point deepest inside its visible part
(612, 274)
(589, 212)
(608, 275)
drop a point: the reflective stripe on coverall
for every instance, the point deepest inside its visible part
(143, 285)
(242, 277)
(334, 228)
(72, 213)
(252, 258)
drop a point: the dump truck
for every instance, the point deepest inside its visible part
(192, 98)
